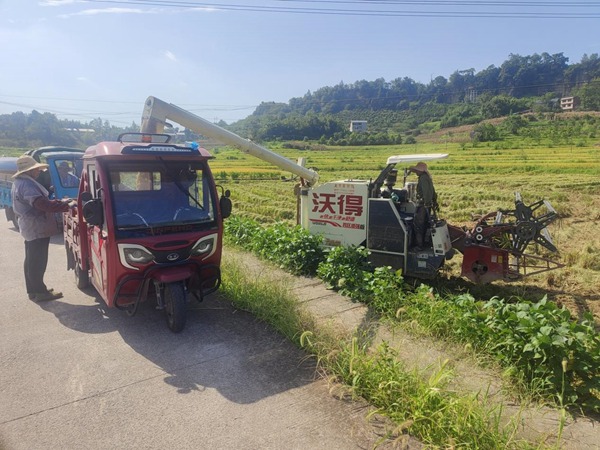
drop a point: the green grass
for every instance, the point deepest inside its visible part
(12, 151)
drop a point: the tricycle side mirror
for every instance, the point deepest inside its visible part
(92, 212)
(85, 197)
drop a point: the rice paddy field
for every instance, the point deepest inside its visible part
(473, 180)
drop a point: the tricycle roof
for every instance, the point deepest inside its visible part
(163, 149)
(63, 155)
(38, 152)
(415, 158)
(8, 164)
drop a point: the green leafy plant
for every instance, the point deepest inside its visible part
(291, 247)
(547, 345)
(344, 270)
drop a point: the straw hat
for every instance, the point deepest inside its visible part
(420, 167)
(26, 163)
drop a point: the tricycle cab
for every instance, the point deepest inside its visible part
(61, 179)
(150, 223)
(64, 169)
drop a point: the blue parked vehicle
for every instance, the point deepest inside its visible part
(8, 167)
(61, 179)
(64, 170)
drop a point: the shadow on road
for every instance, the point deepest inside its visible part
(221, 347)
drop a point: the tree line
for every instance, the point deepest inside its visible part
(37, 129)
(396, 110)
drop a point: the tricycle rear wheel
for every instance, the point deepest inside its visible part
(81, 277)
(175, 306)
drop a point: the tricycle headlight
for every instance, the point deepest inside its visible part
(134, 254)
(205, 247)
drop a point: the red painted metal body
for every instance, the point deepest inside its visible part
(147, 216)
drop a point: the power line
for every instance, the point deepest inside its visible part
(512, 3)
(392, 12)
(198, 109)
(87, 100)
(87, 114)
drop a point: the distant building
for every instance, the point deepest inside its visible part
(81, 130)
(569, 103)
(358, 126)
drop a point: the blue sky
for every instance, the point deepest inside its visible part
(222, 58)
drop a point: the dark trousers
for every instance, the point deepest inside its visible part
(421, 223)
(36, 261)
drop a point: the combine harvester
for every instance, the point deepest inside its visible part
(499, 246)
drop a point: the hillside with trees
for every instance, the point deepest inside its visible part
(397, 111)
(402, 108)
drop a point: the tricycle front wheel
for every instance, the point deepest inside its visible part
(175, 306)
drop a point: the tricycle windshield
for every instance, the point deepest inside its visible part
(161, 197)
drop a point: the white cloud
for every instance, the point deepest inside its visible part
(94, 12)
(59, 2)
(205, 9)
(170, 56)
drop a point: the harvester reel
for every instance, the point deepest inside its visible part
(495, 248)
(530, 228)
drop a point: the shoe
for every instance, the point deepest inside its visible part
(46, 296)
(33, 296)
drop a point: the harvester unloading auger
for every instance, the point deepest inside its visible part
(363, 212)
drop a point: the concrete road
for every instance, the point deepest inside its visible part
(76, 375)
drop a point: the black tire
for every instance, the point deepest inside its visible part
(82, 279)
(175, 306)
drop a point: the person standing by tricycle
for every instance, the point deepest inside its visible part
(37, 223)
